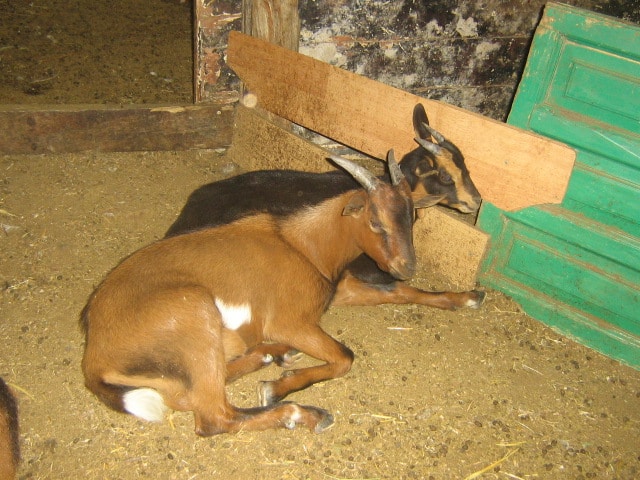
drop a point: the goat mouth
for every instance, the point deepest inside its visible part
(465, 208)
(403, 271)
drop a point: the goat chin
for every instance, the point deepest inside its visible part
(400, 270)
(145, 403)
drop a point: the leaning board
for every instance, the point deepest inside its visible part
(512, 168)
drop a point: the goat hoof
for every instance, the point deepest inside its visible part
(317, 419)
(266, 396)
(267, 359)
(289, 359)
(326, 420)
(478, 300)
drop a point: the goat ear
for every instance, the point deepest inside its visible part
(355, 206)
(428, 201)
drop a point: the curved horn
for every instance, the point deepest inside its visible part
(429, 147)
(394, 169)
(434, 133)
(364, 177)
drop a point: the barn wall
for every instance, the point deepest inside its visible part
(468, 53)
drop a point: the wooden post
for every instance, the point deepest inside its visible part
(276, 21)
(212, 23)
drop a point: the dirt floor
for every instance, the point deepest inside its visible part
(432, 394)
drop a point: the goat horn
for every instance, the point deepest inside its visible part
(364, 177)
(429, 147)
(394, 169)
(434, 133)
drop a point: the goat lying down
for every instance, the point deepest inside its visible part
(433, 170)
(9, 433)
(176, 320)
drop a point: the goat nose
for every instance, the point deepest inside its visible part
(470, 207)
(403, 269)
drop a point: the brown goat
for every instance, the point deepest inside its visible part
(9, 434)
(435, 171)
(163, 324)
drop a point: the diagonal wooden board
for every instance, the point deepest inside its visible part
(512, 168)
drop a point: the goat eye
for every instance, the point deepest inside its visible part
(444, 178)
(376, 226)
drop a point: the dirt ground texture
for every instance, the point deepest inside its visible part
(432, 394)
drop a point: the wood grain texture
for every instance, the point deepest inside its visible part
(66, 129)
(276, 21)
(512, 168)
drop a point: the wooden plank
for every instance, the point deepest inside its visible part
(62, 129)
(212, 22)
(511, 168)
(276, 21)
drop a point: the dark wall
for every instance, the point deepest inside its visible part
(469, 53)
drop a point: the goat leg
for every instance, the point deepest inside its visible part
(313, 341)
(352, 291)
(260, 356)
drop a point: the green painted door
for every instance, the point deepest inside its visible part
(576, 266)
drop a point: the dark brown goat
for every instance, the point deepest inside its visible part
(177, 319)
(433, 170)
(9, 435)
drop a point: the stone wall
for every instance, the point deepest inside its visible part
(469, 53)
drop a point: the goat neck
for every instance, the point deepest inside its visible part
(328, 244)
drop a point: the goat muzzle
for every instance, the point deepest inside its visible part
(403, 268)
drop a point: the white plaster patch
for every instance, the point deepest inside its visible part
(485, 48)
(321, 46)
(433, 28)
(391, 52)
(145, 403)
(325, 52)
(234, 316)
(467, 28)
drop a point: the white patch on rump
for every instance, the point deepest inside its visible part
(234, 316)
(145, 403)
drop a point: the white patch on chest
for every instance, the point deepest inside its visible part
(234, 316)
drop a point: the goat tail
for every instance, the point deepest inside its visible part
(144, 403)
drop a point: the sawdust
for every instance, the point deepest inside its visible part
(487, 393)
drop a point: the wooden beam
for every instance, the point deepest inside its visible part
(212, 22)
(512, 168)
(275, 21)
(62, 129)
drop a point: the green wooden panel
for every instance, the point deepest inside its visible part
(576, 266)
